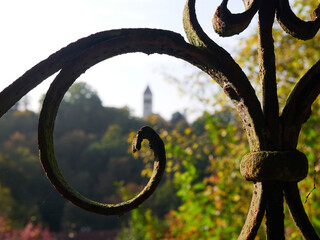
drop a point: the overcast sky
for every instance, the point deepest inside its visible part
(32, 30)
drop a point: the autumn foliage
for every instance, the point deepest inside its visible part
(30, 232)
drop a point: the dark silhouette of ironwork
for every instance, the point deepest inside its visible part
(273, 164)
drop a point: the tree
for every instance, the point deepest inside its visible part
(177, 117)
(81, 109)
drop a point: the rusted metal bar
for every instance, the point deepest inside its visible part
(298, 212)
(298, 106)
(233, 81)
(267, 67)
(255, 213)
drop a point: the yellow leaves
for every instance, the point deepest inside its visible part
(189, 151)
(236, 197)
(167, 137)
(207, 126)
(172, 167)
(207, 150)
(208, 191)
(147, 172)
(164, 133)
(223, 133)
(187, 131)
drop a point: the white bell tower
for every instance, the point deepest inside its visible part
(147, 102)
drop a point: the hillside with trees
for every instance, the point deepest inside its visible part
(92, 145)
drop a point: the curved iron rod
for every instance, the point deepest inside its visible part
(145, 40)
(234, 82)
(297, 211)
(255, 214)
(267, 73)
(50, 165)
(298, 106)
(274, 210)
(247, 3)
(194, 32)
(44, 69)
(211, 63)
(228, 24)
(293, 25)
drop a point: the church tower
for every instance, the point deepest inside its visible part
(147, 102)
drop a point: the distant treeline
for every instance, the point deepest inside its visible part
(92, 149)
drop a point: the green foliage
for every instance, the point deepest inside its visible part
(210, 194)
(143, 225)
(203, 166)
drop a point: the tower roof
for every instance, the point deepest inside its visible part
(148, 91)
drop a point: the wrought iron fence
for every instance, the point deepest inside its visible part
(274, 165)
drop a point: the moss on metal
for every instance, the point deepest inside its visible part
(286, 166)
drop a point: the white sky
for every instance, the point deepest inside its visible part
(32, 30)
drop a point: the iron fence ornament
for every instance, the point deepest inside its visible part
(272, 138)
